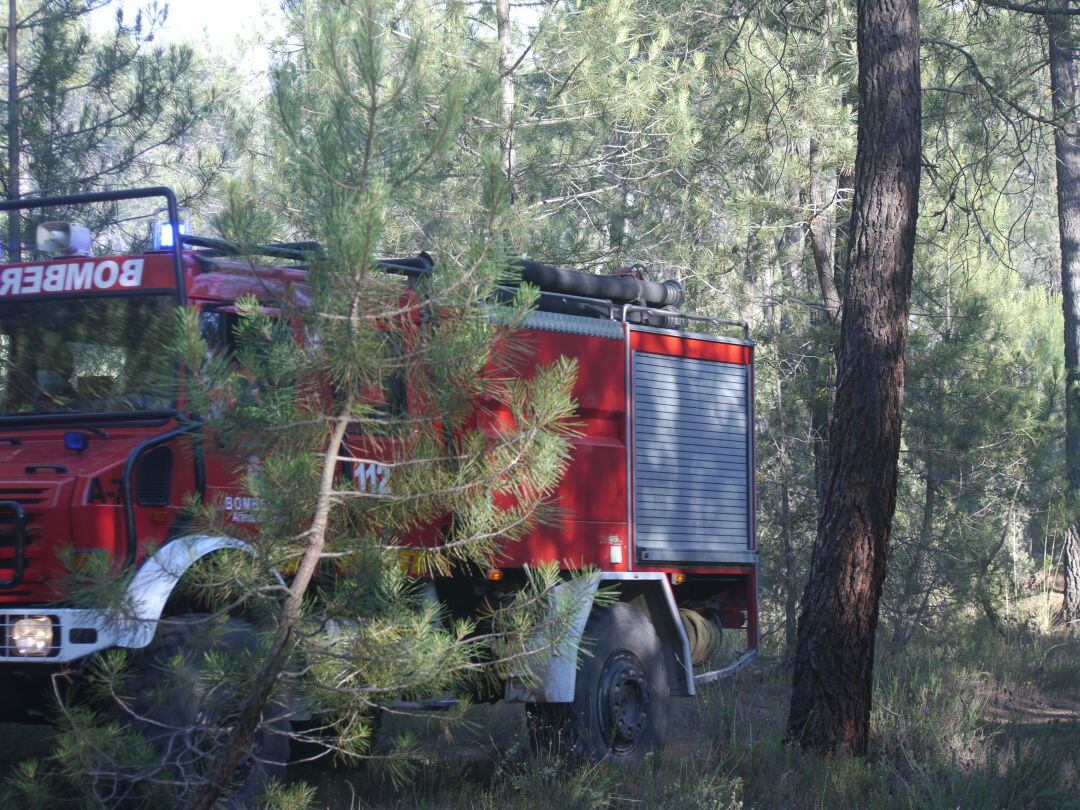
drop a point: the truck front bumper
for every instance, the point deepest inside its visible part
(75, 634)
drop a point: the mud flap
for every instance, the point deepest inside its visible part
(552, 672)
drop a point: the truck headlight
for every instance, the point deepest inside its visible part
(32, 635)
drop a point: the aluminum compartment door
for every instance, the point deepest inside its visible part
(691, 460)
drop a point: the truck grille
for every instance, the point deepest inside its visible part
(155, 472)
(25, 505)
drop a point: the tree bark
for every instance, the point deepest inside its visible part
(822, 236)
(830, 704)
(827, 233)
(1065, 96)
(817, 403)
(506, 81)
(822, 232)
(13, 190)
(1070, 613)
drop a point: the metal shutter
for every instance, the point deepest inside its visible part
(691, 460)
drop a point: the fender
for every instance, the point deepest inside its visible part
(553, 680)
(156, 579)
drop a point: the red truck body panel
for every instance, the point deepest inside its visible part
(78, 503)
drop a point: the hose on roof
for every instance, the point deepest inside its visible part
(619, 289)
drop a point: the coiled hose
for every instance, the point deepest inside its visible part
(703, 635)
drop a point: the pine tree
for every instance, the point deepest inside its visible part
(830, 704)
(85, 112)
(1066, 95)
(364, 401)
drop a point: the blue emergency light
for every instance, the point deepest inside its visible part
(163, 234)
(75, 441)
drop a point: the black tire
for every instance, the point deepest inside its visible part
(171, 709)
(621, 694)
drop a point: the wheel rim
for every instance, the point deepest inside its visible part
(623, 702)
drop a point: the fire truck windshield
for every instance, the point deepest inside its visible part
(92, 355)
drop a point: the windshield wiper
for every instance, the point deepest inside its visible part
(16, 421)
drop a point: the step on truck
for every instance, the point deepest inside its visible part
(658, 497)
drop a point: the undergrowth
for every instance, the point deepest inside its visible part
(942, 736)
(983, 720)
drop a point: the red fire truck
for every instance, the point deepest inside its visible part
(658, 497)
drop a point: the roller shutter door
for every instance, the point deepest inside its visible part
(691, 460)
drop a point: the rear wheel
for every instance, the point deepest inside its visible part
(621, 693)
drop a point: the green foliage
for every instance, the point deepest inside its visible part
(342, 100)
(108, 110)
(353, 372)
(287, 797)
(936, 742)
(675, 134)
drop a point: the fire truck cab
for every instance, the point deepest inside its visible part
(658, 498)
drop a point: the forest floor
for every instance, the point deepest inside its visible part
(982, 722)
(992, 722)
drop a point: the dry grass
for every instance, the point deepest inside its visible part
(987, 723)
(982, 722)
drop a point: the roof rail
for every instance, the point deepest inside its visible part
(297, 251)
(674, 314)
(418, 265)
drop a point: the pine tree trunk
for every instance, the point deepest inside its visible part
(790, 249)
(13, 190)
(822, 233)
(1071, 560)
(830, 704)
(274, 660)
(616, 175)
(821, 381)
(822, 236)
(506, 80)
(787, 519)
(1067, 152)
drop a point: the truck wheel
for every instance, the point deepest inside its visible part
(174, 706)
(621, 693)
